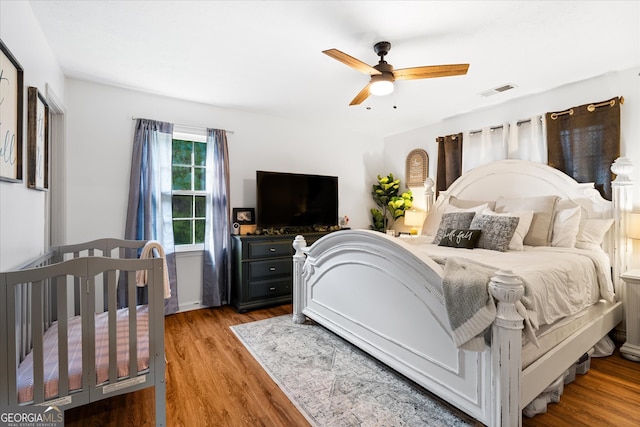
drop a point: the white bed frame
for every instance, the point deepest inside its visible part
(372, 290)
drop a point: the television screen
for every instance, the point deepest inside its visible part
(296, 200)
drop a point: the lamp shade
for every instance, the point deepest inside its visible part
(381, 88)
(381, 84)
(633, 225)
(413, 218)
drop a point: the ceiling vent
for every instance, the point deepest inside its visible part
(499, 89)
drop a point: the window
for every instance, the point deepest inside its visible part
(188, 178)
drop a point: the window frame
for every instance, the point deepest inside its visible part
(187, 135)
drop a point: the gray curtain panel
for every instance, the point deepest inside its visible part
(217, 242)
(149, 215)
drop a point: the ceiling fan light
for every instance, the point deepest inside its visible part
(381, 88)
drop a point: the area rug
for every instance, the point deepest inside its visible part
(334, 383)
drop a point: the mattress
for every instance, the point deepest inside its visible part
(559, 282)
(51, 374)
(549, 336)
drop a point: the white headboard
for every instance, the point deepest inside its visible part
(521, 178)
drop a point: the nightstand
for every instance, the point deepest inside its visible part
(631, 348)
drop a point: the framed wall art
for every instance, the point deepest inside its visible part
(244, 215)
(37, 140)
(417, 168)
(11, 108)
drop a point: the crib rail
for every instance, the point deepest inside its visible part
(29, 300)
(107, 247)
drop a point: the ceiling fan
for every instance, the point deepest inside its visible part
(383, 75)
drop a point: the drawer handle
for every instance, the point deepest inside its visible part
(273, 288)
(272, 249)
(272, 269)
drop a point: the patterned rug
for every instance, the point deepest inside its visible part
(335, 384)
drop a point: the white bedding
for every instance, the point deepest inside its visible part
(559, 281)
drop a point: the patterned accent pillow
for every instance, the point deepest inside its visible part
(459, 220)
(497, 231)
(456, 238)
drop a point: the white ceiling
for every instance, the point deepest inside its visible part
(265, 56)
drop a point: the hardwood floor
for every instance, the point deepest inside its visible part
(212, 380)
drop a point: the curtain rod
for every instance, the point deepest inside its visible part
(492, 128)
(590, 108)
(189, 126)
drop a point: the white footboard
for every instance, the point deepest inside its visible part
(367, 288)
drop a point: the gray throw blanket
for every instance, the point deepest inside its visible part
(470, 306)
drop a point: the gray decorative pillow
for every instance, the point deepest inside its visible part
(458, 220)
(497, 231)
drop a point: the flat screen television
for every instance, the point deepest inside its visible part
(296, 200)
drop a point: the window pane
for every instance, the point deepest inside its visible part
(199, 153)
(201, 207)
(200, 224)
(182, 206)
(199, 178)
(181, 152)
(180, 178)
(182, 232)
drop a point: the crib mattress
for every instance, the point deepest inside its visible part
(51, 374)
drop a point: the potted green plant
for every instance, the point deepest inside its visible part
(391, 206)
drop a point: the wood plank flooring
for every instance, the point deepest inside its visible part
(212, 380)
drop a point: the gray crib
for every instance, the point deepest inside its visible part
(65, 338)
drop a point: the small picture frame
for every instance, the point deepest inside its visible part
(37, 140)
(244, 215)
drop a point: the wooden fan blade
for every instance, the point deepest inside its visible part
(352, 62)
(430, 71)
(361, 96)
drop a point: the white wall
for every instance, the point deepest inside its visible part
(625, 83)
(100, 139)
(23, 211)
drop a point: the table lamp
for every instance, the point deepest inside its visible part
(633, 225)
(413, 218)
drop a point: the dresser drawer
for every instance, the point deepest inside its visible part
(270, 268)
(268, 288)
(270, 249)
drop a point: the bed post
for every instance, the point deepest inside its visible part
(622, 198)
(299, 291)
(428, 192)
(506, 349)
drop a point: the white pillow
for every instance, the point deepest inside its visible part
(566, 224)
(525, 218)
(432, 221)
(592, 232)
(475, 209)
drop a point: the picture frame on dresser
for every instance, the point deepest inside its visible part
(244, 216)
(11, 107)
(37, 140)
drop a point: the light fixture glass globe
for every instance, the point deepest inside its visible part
(381, 88)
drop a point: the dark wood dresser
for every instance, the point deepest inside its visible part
(262, 267)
